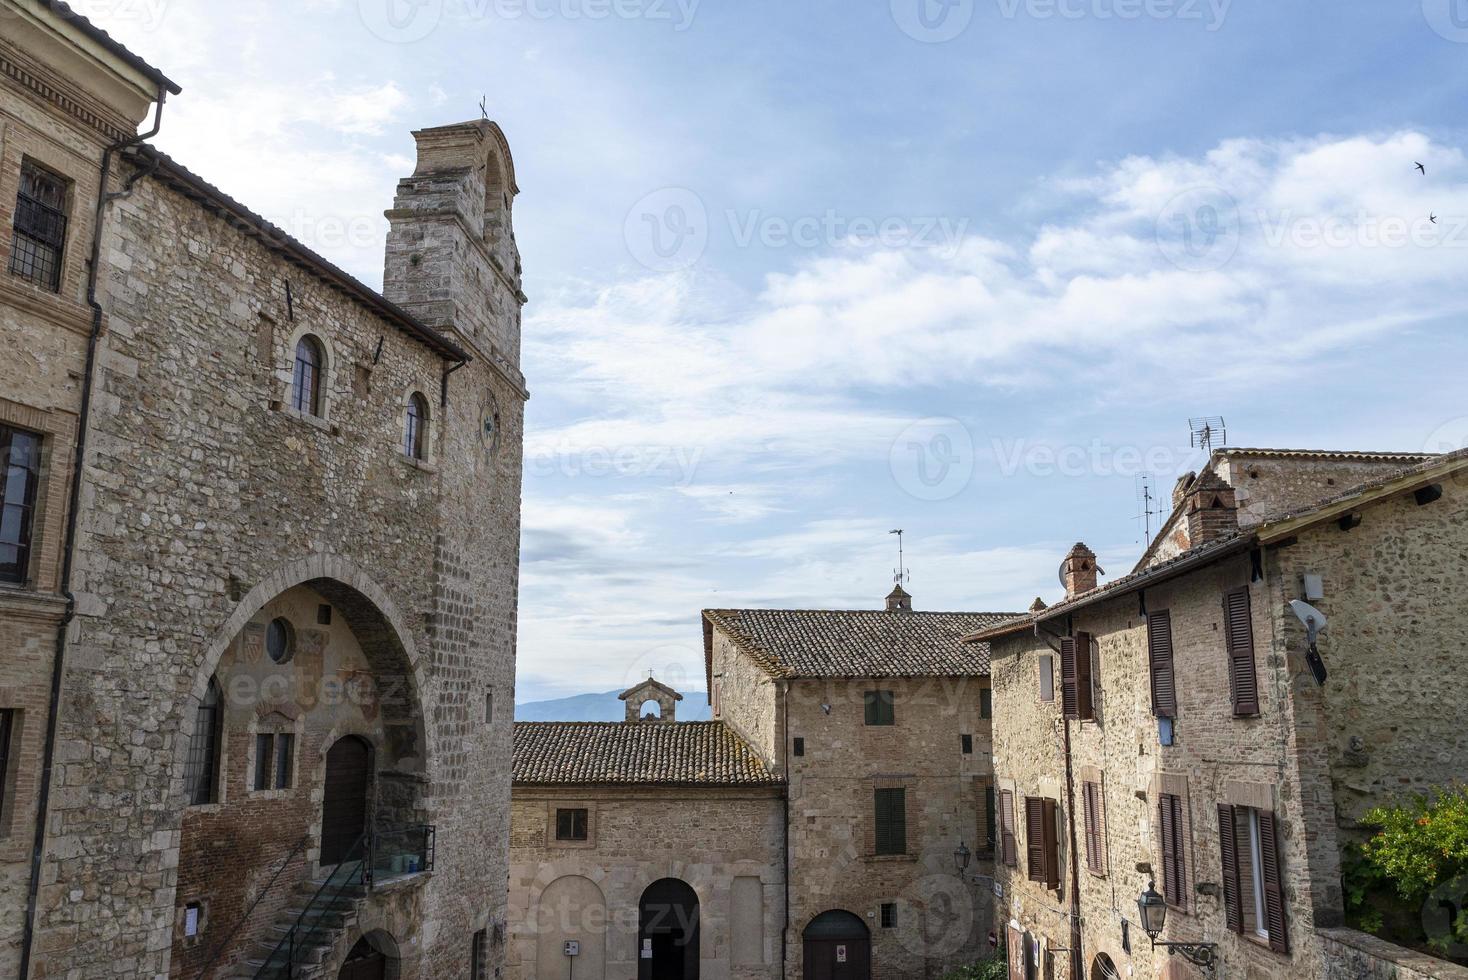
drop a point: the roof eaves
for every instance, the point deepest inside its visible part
(109, 42)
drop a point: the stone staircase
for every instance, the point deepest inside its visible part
(321, 911)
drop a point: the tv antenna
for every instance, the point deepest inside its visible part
(484, 107)
(1150, 506)
(1208, 431)
(900, 573)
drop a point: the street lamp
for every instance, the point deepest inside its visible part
(961, 857)
(1152, 910)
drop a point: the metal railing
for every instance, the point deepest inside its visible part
(224, 943)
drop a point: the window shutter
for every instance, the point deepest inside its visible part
(1274, 906)
(1089, 799)
(1008, 847)
(891, 818)
(1084, 707)
(1229, 851)
(1174, 877)
(1034, 838)
(1159, 658)
(1068, 704)
(1051, 843)
(1239, 636)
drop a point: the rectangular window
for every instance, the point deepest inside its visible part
(1047, 677)
(571, 824)
(7, 729)
(891, 821)
(986, 702)
(1174, 850)
(1159, 663)
(880, 708)
(1010, 854)
(1095, 812)
(479, 956)
(799, 746)
(285, 745)
(889, 915)
(1253, 897)
(1042, 842)
(20, 456)
(1239, 639)
(488, 707)
(193, 911)
(967, 742)
(40, 227)
(1075, 676)
(264, 753)
(990, 830)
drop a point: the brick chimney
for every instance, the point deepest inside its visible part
(1038, 605)
(1212, 509)
(898, 600)
(1079, 570)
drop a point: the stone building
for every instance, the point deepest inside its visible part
(270, 654)
(1169, 726)
(655, 845)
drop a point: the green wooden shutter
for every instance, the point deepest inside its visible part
(891, 821)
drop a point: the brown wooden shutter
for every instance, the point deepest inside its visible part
(1159, 658)
(1239, 636)
(1068, 703)
(1009, 850)
(1229, 851)
(1034, 838)
(1050, 839)
(1084, 707)
(1274, 906)
(1174, 875)
(1088, 796)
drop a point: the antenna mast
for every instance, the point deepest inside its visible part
(1207, 431)
(1146, 501)
(900, 573)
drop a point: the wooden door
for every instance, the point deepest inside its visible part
(838, 959)
(364, 963)
(344, 798)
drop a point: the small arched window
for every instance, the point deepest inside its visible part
(415, 430)
(306, 380)
(202, 766)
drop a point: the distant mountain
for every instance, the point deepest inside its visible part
(604, 707)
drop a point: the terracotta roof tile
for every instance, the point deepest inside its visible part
(693, 753)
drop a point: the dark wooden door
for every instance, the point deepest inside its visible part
(838, 959)
(344, 798)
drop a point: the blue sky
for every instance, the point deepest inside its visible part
(803, 272)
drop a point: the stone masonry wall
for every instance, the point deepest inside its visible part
(942, 921)
(206, 497)
(728, 844)
(746, 699)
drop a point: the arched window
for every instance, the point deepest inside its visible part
(415, 431)
(202, 765)
(306, 380)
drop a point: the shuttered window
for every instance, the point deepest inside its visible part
(1239, 639)
(7, 728)
(891, 821)
(1095, 814)
(1007, 844)
(1174, 865)
(1253, 892)
(1159, 660)
(1042, 845)
(1075, 676)
(571, 824)
(990, 812)
(880, 708)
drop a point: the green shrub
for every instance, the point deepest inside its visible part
(1418, 844)
(991, 967)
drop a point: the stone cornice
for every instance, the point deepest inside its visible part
(20, 603)
(49, 307)
(54, 92)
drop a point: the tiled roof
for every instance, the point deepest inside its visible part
(110, 43)
(856, 642)
(1346, 454)
(684, 753)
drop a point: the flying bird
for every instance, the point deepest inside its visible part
(1422, 169)
(1432, 218)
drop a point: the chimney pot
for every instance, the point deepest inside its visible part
(1079, 571)
(898, 600)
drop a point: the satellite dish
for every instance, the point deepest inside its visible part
(1314, 620)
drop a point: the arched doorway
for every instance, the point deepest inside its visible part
(1103, 969)
(667, 933)
(838, 946)
(364, 962)
(344, 798)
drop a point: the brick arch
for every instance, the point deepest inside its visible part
(381, 631)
